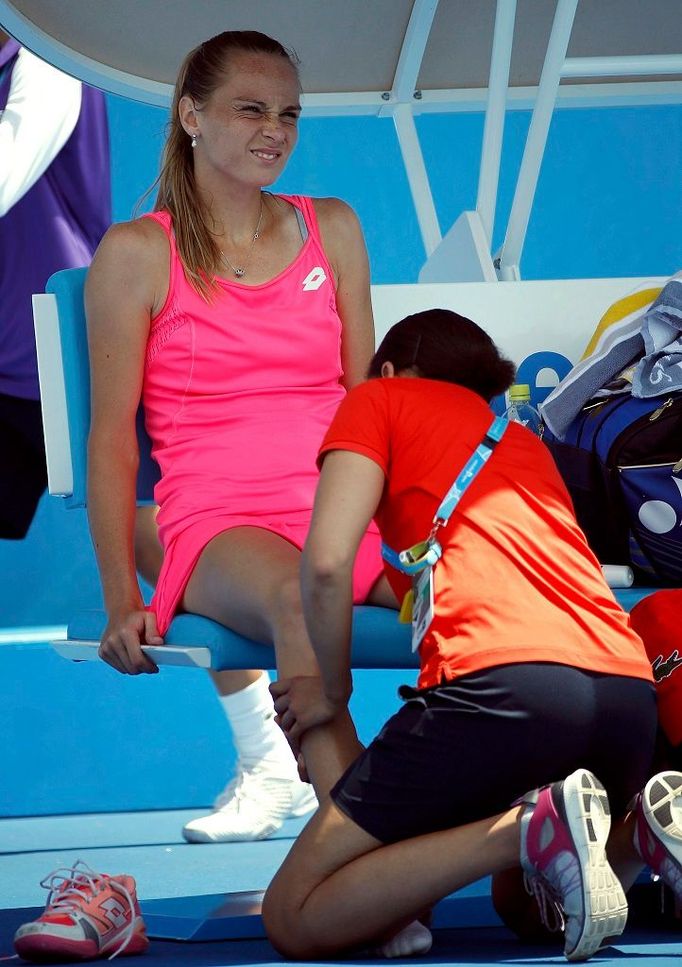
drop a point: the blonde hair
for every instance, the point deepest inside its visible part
(202, 71)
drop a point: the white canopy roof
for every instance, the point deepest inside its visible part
(396, 58)
(136, 46)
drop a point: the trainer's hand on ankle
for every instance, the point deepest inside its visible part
(121, 645)
(301, 704)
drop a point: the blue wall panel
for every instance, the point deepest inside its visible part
(79, 737)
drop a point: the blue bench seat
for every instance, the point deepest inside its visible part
(379, 640)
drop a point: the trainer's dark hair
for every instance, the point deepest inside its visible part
(440, 344)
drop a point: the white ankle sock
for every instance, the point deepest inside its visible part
(412, 941)
(258, 739)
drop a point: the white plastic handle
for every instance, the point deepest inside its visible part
(618, 575)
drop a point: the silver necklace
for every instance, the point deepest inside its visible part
(240, 270)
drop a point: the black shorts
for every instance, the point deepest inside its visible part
(467, 749)
(23, 472)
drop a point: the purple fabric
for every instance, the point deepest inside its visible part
(56, 225)
(8, 52)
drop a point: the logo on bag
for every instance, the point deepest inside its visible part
(657, 515)
(664, 669)
(314, 279)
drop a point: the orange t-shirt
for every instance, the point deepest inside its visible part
(517, 581)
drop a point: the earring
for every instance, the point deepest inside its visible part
(194, 140)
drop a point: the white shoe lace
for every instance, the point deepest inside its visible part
(255, 787)
(552, 896)
(69, 886)
(229, 791)
(671, 874)
(556, 897)
(547, 899)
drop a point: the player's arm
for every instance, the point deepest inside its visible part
(345, 247)
(123, 291)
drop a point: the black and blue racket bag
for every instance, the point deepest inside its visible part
(621, 460)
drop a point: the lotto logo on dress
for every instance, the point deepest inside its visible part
(314, 279)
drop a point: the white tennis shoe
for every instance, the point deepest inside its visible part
(254, 805)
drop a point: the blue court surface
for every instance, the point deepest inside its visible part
(182, 889)
(122, 737)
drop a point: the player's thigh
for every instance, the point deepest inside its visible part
(382, 595)
(248, 579)
(148, 549)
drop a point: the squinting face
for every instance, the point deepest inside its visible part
(249, 126)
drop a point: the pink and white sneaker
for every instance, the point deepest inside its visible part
(564, 831)
(87, 915)
(658, 829)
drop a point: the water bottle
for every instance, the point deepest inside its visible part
(520, 410)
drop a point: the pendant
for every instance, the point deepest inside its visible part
(239, 273)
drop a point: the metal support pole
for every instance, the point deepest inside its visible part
(417, 176)
(510, 253)
(641, 65)
(493, 129)
(412, 51)
(402, 99)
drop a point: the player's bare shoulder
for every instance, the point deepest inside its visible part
(141, 242)
(335, 215)
(341, 233)
(133, 257)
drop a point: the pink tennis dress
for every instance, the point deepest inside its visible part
(238, 393)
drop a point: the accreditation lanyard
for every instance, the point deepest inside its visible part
(422, 556)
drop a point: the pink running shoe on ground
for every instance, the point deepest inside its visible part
(658, 830)
(563, 838)
(87, 915)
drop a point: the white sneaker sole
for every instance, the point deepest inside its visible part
(200, 834)
(662, 807)
(588, 816)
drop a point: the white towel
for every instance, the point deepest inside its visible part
(651, 334)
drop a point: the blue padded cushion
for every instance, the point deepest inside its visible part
(379, 640)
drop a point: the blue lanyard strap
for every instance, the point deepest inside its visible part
(414, 559)
(471, 468)
(426, 553)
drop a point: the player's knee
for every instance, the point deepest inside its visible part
(284, 926)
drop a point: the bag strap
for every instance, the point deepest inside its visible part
(425, 554)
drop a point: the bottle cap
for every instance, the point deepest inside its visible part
(519, 392)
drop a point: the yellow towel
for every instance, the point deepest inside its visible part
(633, 304)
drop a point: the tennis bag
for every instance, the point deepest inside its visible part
(621, 460)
